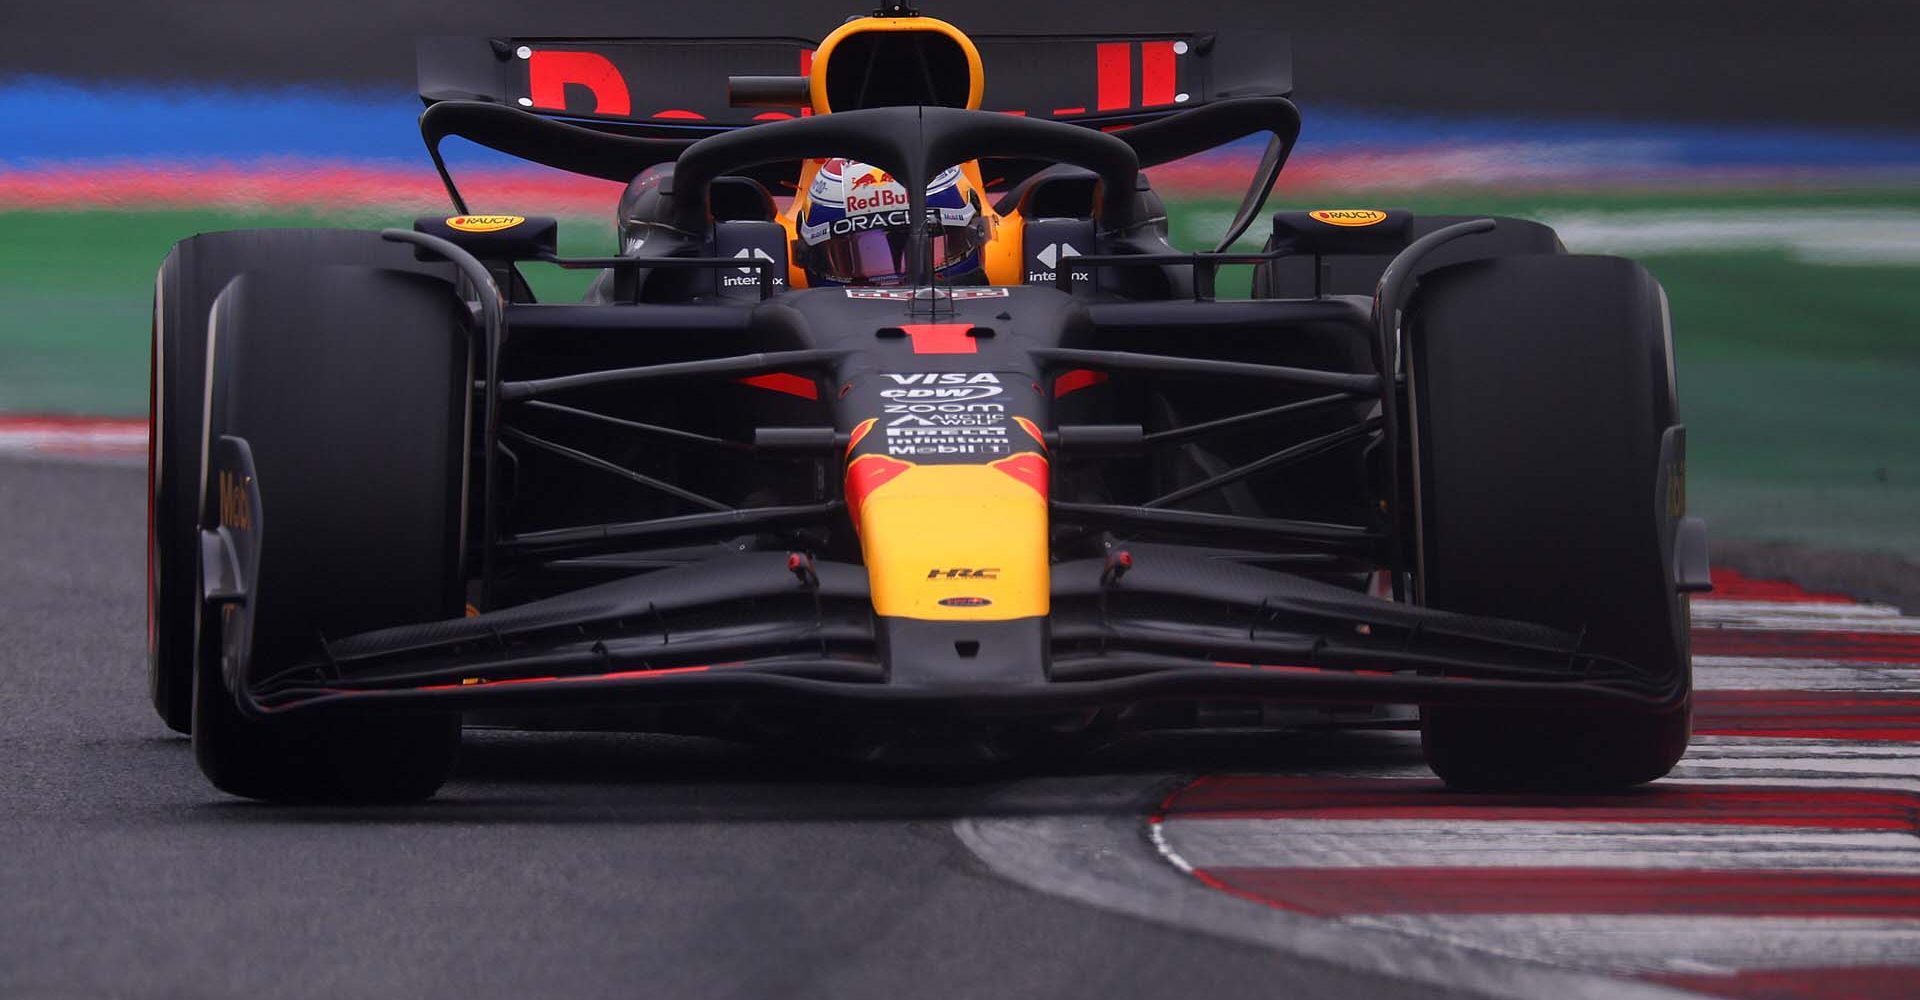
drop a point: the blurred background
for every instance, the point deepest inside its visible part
(1761, 157)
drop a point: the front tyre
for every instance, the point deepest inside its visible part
(194, 272)
(350, 386)
(1542, 392)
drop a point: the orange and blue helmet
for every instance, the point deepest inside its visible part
(852, 221)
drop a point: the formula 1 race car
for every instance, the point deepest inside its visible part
(895, 422)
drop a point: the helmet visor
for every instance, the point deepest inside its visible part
(879, 256)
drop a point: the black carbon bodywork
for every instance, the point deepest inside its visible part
(1256, 594)
(659, 522)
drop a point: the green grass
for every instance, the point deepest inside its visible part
(76, 294)
(1797, 380)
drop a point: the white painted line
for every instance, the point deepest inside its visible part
(1798, 761)
(1742, 674)
(1789, 662)
(1863, 681)
(1416, 843)
(1799, 779)
(1877, 624)
(1632, 943)
(1854, 764)
(1799, 749)
(1710, 610)
(1156, 833)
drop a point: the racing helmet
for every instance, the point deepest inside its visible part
(851, 226)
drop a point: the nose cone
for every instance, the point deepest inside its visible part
(953, 542)
(964, 656)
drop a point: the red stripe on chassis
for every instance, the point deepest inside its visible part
(1858, 647)
(1251, 797)
(1341, 892)
(1826, 715)
(860, 432)
(618, 675)
(1874, 982)
(866, 474)
(1075, 380)
(787, 382)
(941, 338)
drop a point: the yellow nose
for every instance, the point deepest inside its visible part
(954, 542)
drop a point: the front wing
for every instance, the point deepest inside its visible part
(1156, 623)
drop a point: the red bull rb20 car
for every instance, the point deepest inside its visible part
(897, 421)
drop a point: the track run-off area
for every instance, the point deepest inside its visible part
(1781, 860)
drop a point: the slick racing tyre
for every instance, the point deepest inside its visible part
(193, 273)
(1541, 388)
(351, 388)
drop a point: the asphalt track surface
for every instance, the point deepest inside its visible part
(578, 866)
(1780, 861)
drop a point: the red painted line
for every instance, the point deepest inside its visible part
(79, 436)
(941, 338)
(1872, 982)
(336, 186)
(1063, 112)
(1261, 797)
(1208, 880)
(1157, 81)
(51, 423)
(1114, 64)
(1730, 585)
(1858, 647)
(1075, 380)
(1341, 892)
(1829, 715)
(787, 382)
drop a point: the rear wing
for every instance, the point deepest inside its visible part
(678, 87)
